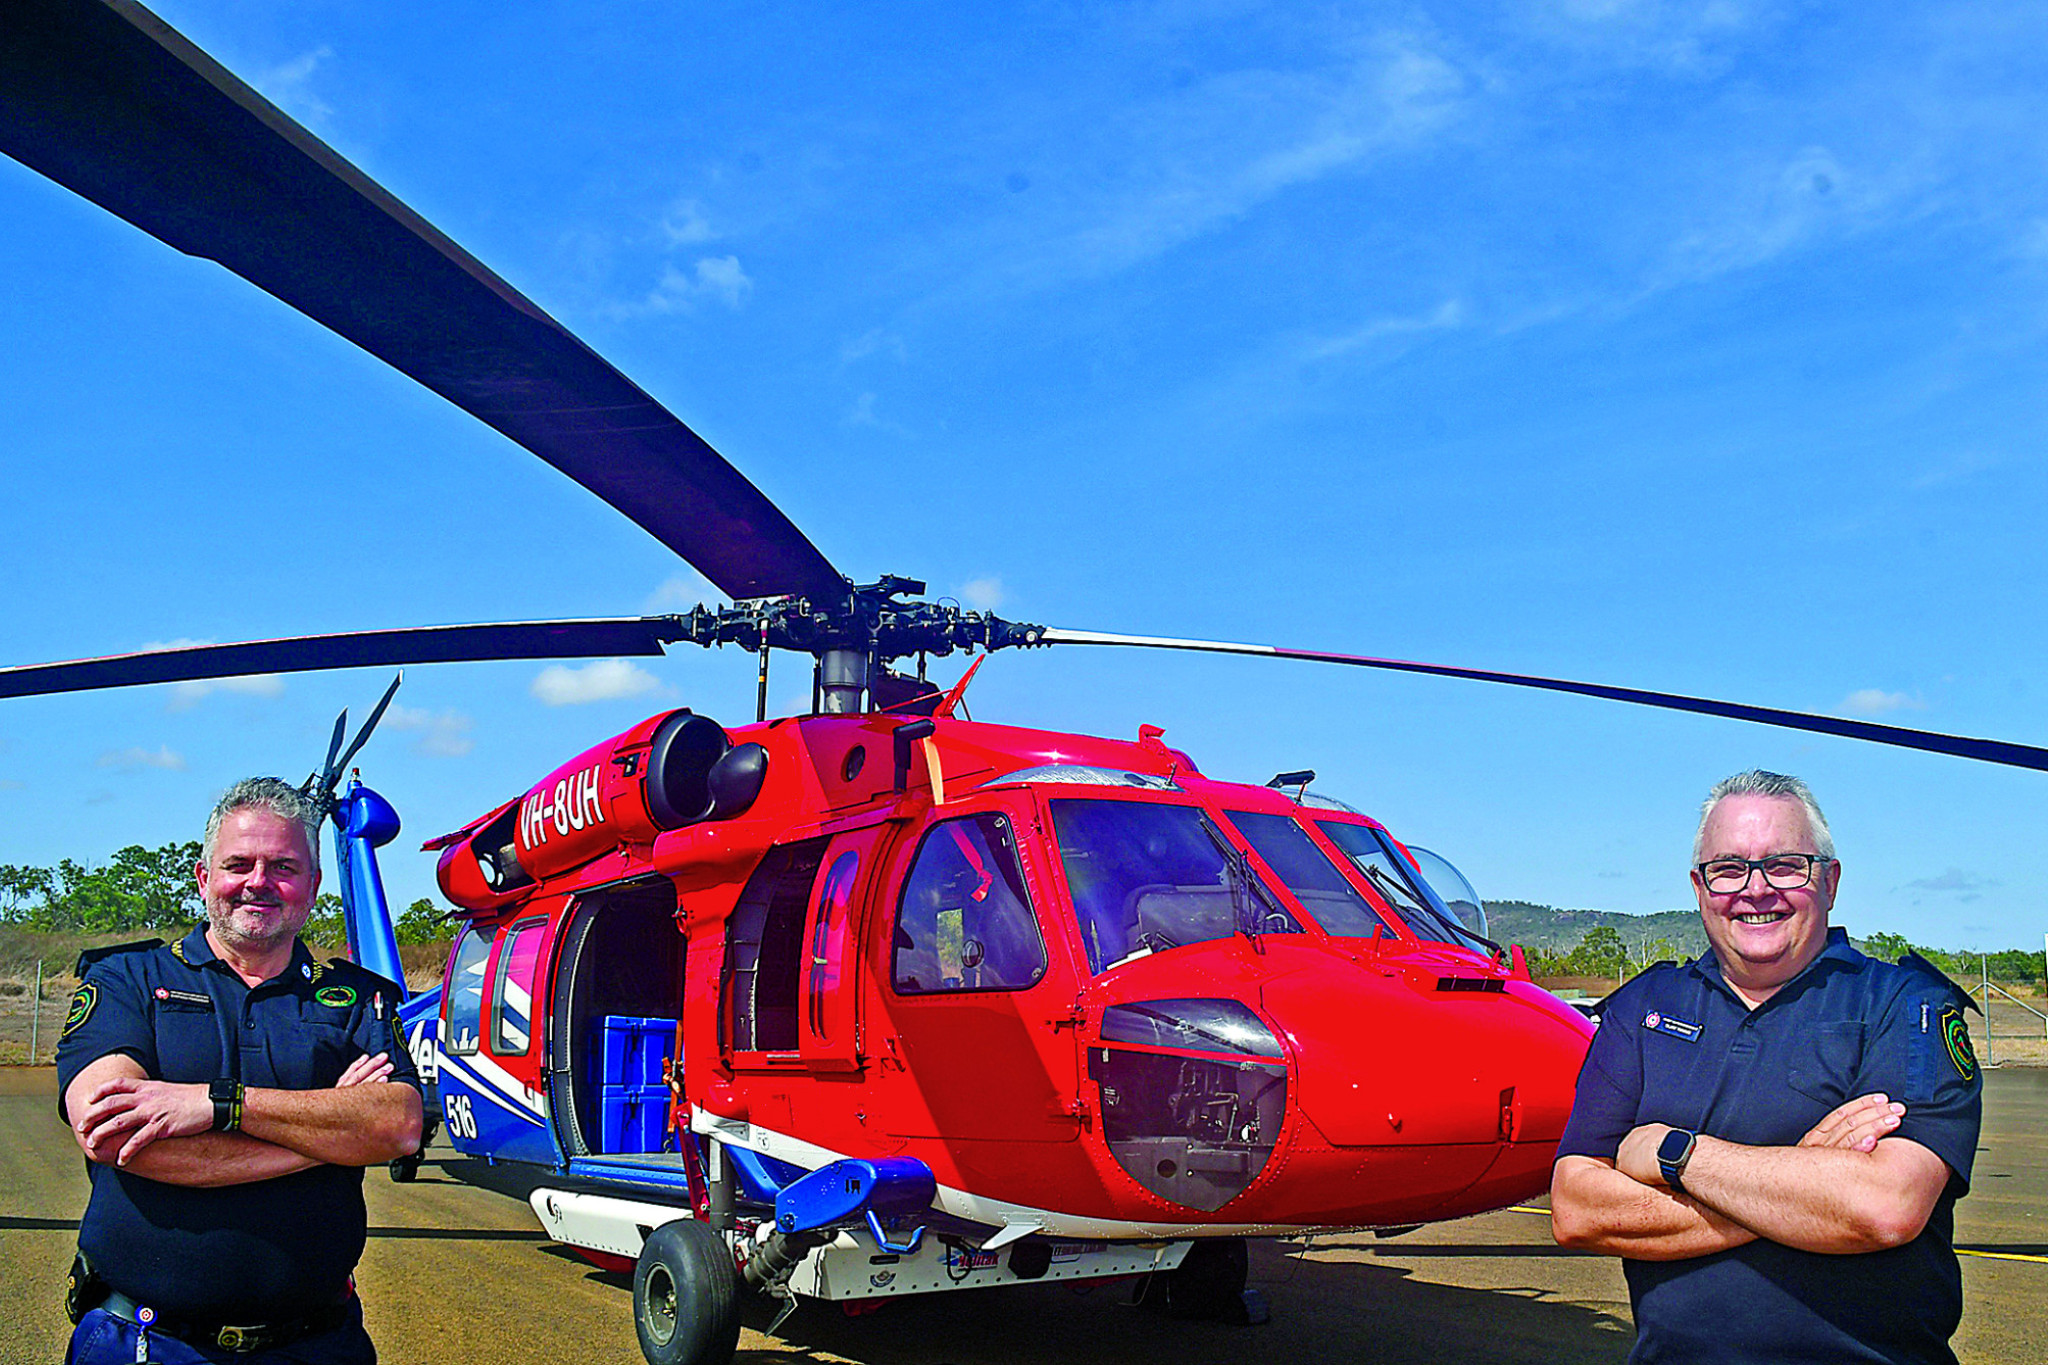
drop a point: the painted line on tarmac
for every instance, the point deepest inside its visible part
(1960, 1251)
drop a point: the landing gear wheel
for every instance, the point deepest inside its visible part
(1208, 1285)
(686, 1296)
(406, 1169)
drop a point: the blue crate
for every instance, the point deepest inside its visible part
(634, 1051)
(632, 1118)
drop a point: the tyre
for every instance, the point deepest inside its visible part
(1209, 1286)
(686, 1297)
(406, 1169)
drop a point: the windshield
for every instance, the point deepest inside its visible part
(1374, 855)
(1308, 872)
(1147, 877)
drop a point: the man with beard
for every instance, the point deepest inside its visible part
(227, 1091)
(1774, 1136)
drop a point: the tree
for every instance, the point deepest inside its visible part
(1600, 953)
(1888, 947)
(423, 922)
(324, 926)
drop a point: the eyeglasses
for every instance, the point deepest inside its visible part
(1784, 871)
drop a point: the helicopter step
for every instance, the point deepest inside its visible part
(850, 1266)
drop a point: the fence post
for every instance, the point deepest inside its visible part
(35, 1016)
(1984, 965)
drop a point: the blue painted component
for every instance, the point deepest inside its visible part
(480, 1120)
(623, 1171)
(882, 1238)
(634, 1051)
(632, 1118)
(853, 1188)
(761, 1177)
(364, 822)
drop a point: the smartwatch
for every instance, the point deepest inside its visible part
(226, 1095)
(1672, 1154)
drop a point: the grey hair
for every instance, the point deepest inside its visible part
(1757, 782)
(272, 794)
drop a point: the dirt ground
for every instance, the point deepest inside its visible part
(456, 1273)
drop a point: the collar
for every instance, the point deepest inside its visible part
(1836, 953)
(194, 951)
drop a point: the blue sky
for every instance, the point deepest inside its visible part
(1693, 347)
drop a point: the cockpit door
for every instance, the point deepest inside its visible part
(828, 992)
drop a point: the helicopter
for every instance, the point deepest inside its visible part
(875, 999)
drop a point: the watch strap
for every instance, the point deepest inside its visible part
(1672, 1155)
(226, 1094)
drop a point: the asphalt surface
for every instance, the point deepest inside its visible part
(457, 1273)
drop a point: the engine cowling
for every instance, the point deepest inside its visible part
(671, 770)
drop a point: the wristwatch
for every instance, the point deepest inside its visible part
(1672, 1154)
(226, 1095)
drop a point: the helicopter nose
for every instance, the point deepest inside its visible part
(1432, 1091)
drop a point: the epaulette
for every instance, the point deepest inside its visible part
(92, 955)
(1914, 962)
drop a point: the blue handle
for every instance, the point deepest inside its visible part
(882, 1238)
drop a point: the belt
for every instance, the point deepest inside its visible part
(240, 1338)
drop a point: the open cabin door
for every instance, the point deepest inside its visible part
(613, 1026)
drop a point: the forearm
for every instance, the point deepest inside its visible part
(356, 1126)
(1822, 1199)
(1595, 1207)
(211, 1160)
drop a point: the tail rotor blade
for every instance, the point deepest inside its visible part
(377, 713)
(1932, 741)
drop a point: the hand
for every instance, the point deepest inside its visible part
(1637, 1158)
(140, 1111)
(1858, 1125)
(367, 1070)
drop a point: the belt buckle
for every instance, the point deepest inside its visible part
(237, 1339)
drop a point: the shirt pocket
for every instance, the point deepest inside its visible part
(1823, 1062)
(310, 1056)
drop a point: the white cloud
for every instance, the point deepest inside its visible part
(1964, 886)
(605, 680)
(875, 341)
(983, 594)
(717, 278)
(685, 223)
(1446, 315)
(1766, 211)
(1872, 701)
(9, 784)
(130, 759)
(288, 85)
(442, 734)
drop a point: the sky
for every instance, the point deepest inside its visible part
(1695, 347)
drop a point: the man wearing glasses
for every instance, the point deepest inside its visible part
(1774, 1135)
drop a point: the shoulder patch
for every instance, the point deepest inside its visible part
(1955, 1036)
(92, 955)
(82, 1002)
(338, 997)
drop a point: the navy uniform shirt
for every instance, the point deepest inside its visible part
(1676, 1045)
(256, 1252)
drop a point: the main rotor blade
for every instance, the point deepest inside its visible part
(108, 100)
(600, 638)
(1961, 746)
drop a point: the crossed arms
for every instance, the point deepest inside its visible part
(1848, 1186)
(163, 1130)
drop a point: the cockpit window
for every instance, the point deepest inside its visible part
(965, 922)
(1411, 899)
(1315, 881)
(1147, 877)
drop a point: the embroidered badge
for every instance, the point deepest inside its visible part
(1671, 1024)
(82, 1001)
(1956, 1034)
(341, 997)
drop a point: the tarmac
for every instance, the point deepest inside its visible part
(458, 1273)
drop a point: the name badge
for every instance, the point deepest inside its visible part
(183, 1000)
(1658, 1022)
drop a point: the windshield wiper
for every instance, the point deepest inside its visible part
(1238, 870)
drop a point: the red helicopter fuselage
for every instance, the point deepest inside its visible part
(1098, 994)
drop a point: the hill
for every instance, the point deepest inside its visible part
(1669, 933)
